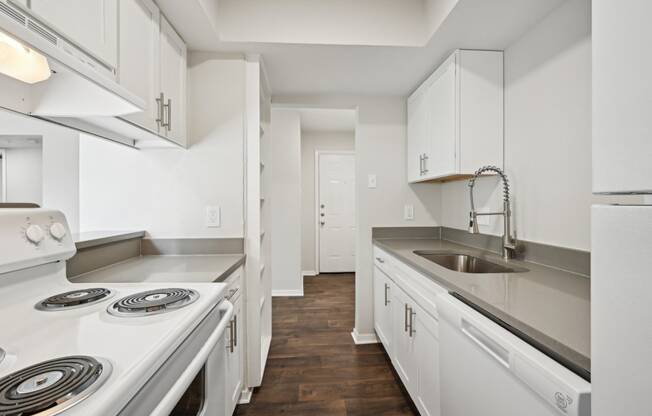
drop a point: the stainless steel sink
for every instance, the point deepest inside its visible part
(465, 263)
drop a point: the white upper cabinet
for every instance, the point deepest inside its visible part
(90, 24)
(622, 96)
(139, 58)
(173, 83)
(455, 118)
(418, 146)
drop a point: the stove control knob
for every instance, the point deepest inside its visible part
(34, 234)
(57, 231)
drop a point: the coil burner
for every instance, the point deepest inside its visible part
(153, 302)
(51, 387)
(74, 299)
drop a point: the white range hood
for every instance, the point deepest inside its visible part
(81, 90)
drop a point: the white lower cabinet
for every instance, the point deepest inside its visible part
(235, 353)
(426, 354)
(383, 291)
(403, 356)
(409, 332)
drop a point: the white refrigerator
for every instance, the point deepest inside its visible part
(621, 236)
(621, 310)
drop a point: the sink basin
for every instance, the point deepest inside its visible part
(465, 263)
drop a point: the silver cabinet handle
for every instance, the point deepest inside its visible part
(169, 107)
(411, 326)
(405, 319)
(159, 110)
(231, 346)
(421, 165)
(380, 260)
(386, 297)
(425, 163)
(235, 330)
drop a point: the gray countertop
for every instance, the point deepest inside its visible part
(547, 307)
(96, 238)
(200, 268)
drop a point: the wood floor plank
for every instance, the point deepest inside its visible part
(314, 367)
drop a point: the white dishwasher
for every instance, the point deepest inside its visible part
(487, 371)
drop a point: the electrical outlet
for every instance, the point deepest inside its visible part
(408, 212)
(371, 181)
(213, 217)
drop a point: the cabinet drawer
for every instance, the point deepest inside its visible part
(383, 261)
(234, 285)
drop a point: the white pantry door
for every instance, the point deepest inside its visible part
(336, 213)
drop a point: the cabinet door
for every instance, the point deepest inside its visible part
(403, 357)
(173, 82)
(622, 69)
(234, 361)
(440, 97)
(139, 57)
(426, 348)
(417, 130)
(383, 308)
(91, 24)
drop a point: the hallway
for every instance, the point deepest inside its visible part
(314, 368)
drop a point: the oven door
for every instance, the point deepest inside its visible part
(192, 381)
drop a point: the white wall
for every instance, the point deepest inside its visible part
(380, 144)
(166, 191)
(311, 142)
(547, 135)
(61, 174)
(24, 174)
(59, 171)
(286, 208)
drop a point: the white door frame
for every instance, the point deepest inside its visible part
(317, 218)
(3, 171)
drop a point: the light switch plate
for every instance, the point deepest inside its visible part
(213, 217)
(408, 212)
(371, 181)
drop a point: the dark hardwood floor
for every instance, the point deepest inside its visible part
(314, 368)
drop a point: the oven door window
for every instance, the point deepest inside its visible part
(192, 401)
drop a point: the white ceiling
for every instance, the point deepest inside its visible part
(307, 69)
(327, 120)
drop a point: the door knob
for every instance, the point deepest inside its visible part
(323, 206)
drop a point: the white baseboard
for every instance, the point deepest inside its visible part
(361, 339)
(309, 273)
(286, 293)
(245, 396)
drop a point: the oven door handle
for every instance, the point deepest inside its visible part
(170, 400)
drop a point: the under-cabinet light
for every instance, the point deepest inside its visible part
(21, 62)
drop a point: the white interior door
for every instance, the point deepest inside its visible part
(336, 218)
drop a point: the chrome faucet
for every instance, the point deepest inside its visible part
(509, 242)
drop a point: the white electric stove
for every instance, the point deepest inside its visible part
(115, 349)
